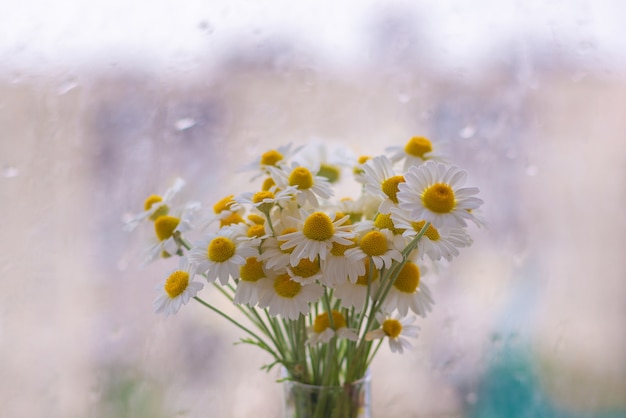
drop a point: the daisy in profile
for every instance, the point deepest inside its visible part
(272, 158)
(323, 331)
(253, 282)
(379, 246)
(355, 294)
(316, 232)
(177, 289)
(417, 151)
(309, 187)
(156, 205)
(434, 243)
(382, 181)
(396, 329)
(227, 211)
(288, 298)
(168, 229)
(219, 255)
(408, 292)
(433, 192)
(265, 200)
(357, 168)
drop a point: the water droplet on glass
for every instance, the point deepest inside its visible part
(206, 27)
(532, 170)
(184, 123)
(467, 132)
(10, 172)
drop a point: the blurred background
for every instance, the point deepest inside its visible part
(104, 103)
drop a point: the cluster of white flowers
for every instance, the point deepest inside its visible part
(353, 267)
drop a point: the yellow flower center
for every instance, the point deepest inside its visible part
(306, 268)
(271, 157)
(256, 219)
(409, 278)
(301, 177)
(256, 231)
(220, 249)
(318, 227)
(390, 187)
(252, 271)
(285, 287)
(392, 328)
(224, 204)
(362, 280)
(268, 183)
(431, 232)
(363, 159)
(260, 196)
(330, 172)
(322, 322)
(281, 241)
(176, 283)
(418, 146)
(338, 250)
(383, 221)
(374, 243)
(162, 210)
(164, 226)
(151, 200)
(439, 198)
(233, 218)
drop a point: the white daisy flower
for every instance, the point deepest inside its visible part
(266, 199)
(309, 186)
(177, 289)
(167, 228)
(365, 207)
(271, 158)
(434, 243)
(384, 221)
(288, 298)
(396, 329)
(338, 268)
(433, 192)
(417, 151)
(323, 331)
(408, 291)
(156, 205)
(382, 181)
(379, 246)
(252, 283)
(306, 271)
(315, 236)
(354, 294)
(220, 254)
(251, 232)
(272, 254)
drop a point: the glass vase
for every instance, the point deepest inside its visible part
(352, 400)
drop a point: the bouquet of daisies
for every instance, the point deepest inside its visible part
(321, 282)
